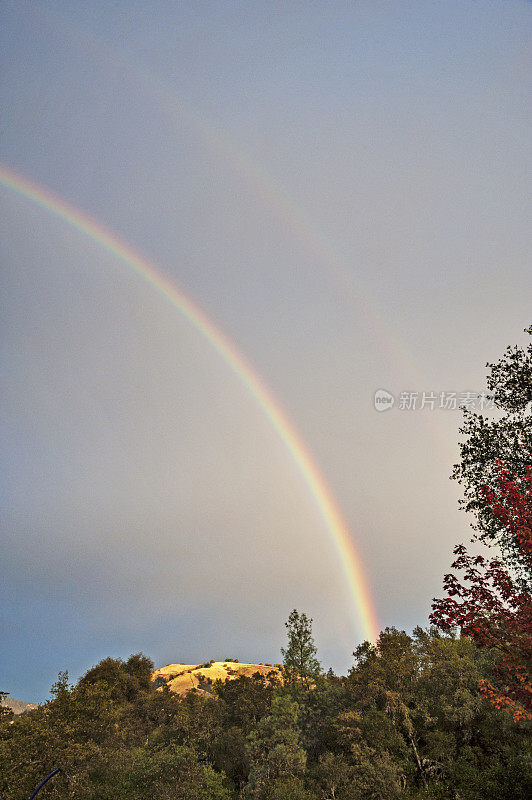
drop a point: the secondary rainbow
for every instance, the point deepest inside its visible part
(276, 197)
(364, 616)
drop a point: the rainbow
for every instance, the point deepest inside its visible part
(364, 617)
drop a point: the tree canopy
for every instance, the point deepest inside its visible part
(491, 601)
(408, 721)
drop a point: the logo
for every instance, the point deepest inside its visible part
(383, 400)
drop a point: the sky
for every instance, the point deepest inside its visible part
(341, 190)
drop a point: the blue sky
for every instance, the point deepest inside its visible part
(343, 188)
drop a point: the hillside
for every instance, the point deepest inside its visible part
(17, 706)
(184, 678)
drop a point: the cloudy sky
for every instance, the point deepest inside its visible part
(341, 187)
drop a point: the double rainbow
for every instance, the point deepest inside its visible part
(363, 613)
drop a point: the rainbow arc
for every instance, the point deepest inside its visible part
(363, 613)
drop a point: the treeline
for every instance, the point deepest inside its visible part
(408, 721)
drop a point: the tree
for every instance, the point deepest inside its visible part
(300, 661)
(367, 775)
(492, 607)
(274, 749)
(383, 684)
(170, 773)
(490, 442)
(141, 667)
(492, 603)
(417, 718)
(124, 680)
(246, 699)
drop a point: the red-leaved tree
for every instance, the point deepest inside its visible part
(492, 606)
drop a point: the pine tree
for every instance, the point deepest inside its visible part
(300, 662)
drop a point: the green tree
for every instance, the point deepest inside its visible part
(274, 749)
(301, 665)
(367, 775)
(170, 773)
(123, 680)
(246, 699)
(487, 443)
(415, 700)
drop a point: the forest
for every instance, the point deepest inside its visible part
(407, 721)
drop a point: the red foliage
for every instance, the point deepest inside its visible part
(494, 609)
